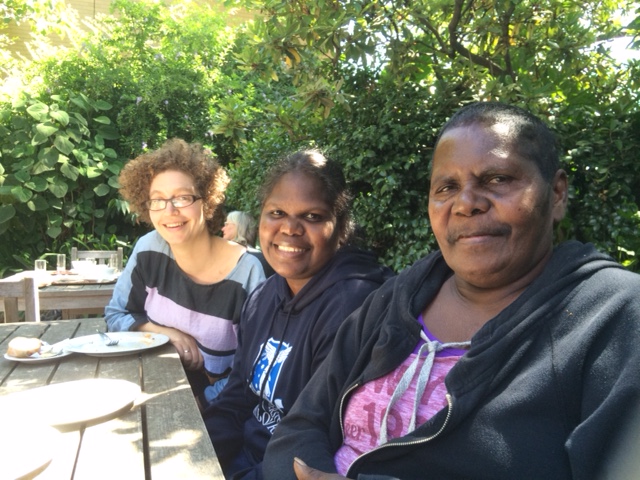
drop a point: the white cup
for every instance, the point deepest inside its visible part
(61, 264)
(40, 266)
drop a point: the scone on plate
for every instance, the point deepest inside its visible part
(23, 347)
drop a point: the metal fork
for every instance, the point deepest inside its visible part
(108, 341)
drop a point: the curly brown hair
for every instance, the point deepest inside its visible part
(209, 178)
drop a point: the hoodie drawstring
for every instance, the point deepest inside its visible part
(432, 348)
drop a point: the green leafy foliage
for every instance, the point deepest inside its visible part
(159, 67)
(392, 73)
(58, 174)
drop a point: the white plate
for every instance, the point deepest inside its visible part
(37, 359)
(69, 405)
(26, 448)
(129, 342)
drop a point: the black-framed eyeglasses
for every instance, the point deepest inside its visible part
(180, 201)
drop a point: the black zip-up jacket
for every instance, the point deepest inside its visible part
(283, 339)
(543, 393)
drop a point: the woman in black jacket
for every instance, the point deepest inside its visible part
(287, 326)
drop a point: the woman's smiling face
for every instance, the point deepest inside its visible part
(176, 225)
(298, 230)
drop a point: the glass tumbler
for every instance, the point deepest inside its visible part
(113, 261)
(61, 262)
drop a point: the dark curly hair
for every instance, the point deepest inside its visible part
(209, 178)
(329, 173)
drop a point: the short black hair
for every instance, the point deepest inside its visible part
(530, 137)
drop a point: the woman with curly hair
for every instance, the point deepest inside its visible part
(182, 280)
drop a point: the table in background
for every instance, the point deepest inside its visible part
(76, 300)
(73, 300)
(162, 437)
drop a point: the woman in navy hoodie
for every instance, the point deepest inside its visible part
(288, 323)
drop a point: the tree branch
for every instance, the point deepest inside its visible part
(457, 47)
(506, 38)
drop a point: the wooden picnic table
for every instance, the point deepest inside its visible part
(73, 300)
(162, 437)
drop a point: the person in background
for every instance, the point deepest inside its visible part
(240, 227)
(500, 356)
(288, 323)
(182, 280)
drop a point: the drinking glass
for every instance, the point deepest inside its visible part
(40, 266)
(61, 264)
(113, 261)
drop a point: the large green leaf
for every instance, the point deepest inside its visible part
(20, 150)
(54, 231)
(102, 119)
(38, 111)
(93, 172)
(22, 175)
(58, 188)
(113, 182)
(37, 184)
(74, 134)
(80, 118)
(22, 194)
(108, 132)
(63, 144)
(70, 171)
(38, 204)
(46, 129)
(41, 167)
(7, 212)
(61, 116)
(39, 138)
(49, 156)
(103, 105)
(80, 102)
(102, 190)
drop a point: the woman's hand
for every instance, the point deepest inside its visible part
(184, 344)
(305, 472)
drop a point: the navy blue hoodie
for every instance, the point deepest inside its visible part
(281, 342)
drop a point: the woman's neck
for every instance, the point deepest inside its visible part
(456, 314)
(208, 259)
(195, 258)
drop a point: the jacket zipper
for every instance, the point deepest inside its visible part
(398, 444)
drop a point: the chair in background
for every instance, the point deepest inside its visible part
(11, 290)
(100, 256)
